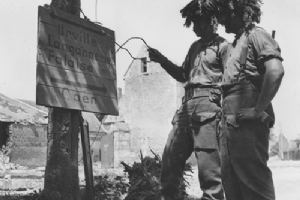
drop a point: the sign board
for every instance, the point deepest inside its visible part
(75, 63)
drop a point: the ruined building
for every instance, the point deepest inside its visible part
(23, 132)
(150, 100)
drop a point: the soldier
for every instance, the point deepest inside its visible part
(195, 123)
(252, 75)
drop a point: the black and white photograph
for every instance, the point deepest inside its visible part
(149, 100)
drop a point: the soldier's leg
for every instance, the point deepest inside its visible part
(230, 180)
(206, 150)
(244, 150)
(209, 173)
(249, 156)
(178, 148)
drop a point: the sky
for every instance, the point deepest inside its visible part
(160, 24)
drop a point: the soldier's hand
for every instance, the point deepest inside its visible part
(248, 114)
(155, 55)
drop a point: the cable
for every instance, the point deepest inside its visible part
(122, 47)
(139, 38)
(85, 17)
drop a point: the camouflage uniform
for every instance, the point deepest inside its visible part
(244, 145)
(195, 123)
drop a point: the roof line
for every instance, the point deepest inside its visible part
(128, 68)
(30, 106)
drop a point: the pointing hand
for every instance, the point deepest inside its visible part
(155, 55)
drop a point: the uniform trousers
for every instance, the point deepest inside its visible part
(244, 148)
(194, 130)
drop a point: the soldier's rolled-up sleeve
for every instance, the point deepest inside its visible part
(265, 47)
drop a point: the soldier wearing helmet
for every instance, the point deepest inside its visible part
(252, 75)
(195, 122)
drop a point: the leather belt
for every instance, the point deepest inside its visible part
(191, 93)
(237, 88)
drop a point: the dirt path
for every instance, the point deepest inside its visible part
(286, 175)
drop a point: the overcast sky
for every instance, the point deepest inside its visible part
(160, 24)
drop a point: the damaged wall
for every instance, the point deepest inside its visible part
(4, 133)
(116, 145)
(29, 144)
(150, 101)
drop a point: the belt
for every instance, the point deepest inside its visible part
(235, 89)
(191, 93)
(235, 86)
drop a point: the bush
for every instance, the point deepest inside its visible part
(110, 188)
(144, 179)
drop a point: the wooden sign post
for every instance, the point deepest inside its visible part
(87, 160)
(75, 71)
(75, 64)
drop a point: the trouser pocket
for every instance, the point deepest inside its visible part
(204, 128)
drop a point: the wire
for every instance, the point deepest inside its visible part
(122, 45)
(139, 38)
(132, 38)
(85, 17)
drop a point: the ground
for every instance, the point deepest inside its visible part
(286, 176)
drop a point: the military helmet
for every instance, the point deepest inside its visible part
(199, 8)
(228, 6)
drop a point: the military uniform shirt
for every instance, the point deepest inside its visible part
(203, 64)
(253, 48)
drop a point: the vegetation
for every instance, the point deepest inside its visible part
(144, 179)
(142, 183)
(110, 188)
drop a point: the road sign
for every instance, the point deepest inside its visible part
(75, 63)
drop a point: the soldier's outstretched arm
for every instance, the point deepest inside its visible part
(175, 71)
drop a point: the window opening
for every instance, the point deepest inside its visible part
(144, 65)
